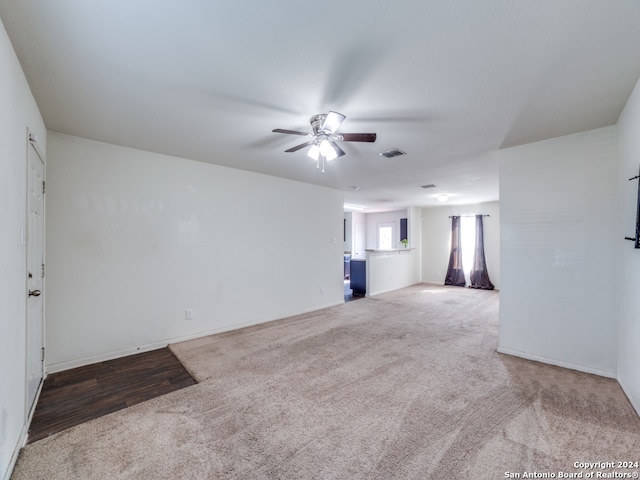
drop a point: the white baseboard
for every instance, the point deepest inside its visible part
(632, 401)
(441, 284)
(16, 451)
(394, 289)
(103, 357)
(558, 363)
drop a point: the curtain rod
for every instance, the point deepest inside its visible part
(451, 216)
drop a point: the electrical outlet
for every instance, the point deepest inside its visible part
(189, 313)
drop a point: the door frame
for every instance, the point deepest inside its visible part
(359, 239)
(32, 143)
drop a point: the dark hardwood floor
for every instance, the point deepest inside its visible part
(76, 396)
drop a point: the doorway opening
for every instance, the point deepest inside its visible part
(354, 253)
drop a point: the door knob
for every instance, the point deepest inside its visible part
(34, 293)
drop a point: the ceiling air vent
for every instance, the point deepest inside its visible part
(431, 185)
(392, 153)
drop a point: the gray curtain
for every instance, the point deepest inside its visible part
(479, 275)
(455, 273)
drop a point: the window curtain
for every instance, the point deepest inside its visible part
(479, 275)
(455, 273)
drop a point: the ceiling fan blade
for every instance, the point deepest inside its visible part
(298, 147)
(293, 132)
(332, 122)
(338, 150)
(358, 137)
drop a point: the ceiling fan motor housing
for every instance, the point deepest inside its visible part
(317, 122)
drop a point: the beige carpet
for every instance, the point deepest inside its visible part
(406, 385)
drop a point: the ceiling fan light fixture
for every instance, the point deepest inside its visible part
(314, 152)
(327, 150)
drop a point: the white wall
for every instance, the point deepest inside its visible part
(358, 223)
(18, 112)
(388, 271)
(628, 282)
(373, 219)
(558, 256)
(436, 239)
(414, 227)
(391, 270)
(348, 232)
(136, 238)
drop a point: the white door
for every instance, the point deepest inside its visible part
(35, 274)
(359, 241)
(386, 236)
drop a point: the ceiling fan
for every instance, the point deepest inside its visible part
(323, 143)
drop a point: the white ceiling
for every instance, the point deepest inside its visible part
(449, 82)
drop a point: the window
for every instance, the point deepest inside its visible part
(468, 242)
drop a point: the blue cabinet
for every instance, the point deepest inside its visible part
(359, 277)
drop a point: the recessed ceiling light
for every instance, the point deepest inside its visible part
(443, 197)
(355, 188)
(349, 206)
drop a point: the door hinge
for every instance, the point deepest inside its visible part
(43, 186)
(43, 354)
(43, 270)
